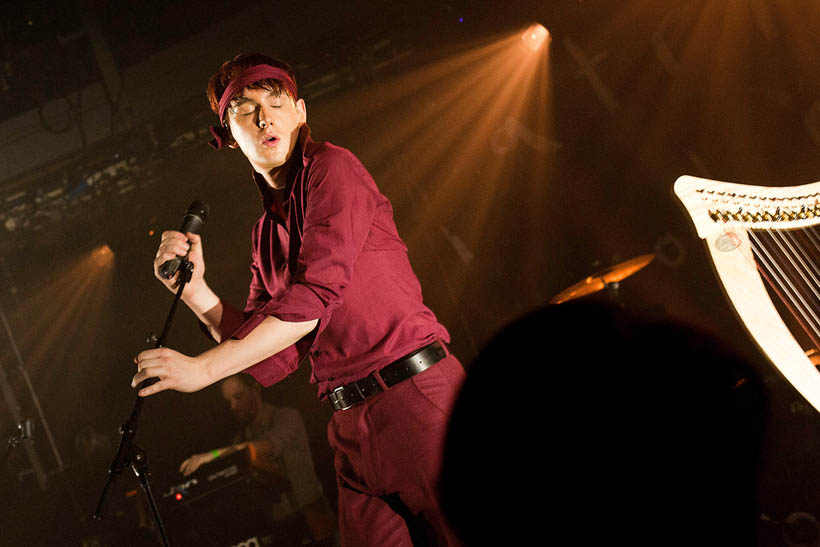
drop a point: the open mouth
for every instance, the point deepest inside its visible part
(270, 141)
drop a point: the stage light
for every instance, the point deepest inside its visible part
(535, 36)
(103, 255)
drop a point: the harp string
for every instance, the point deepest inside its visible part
(798, 262)
(810, 258)
(814, 240)
(773, 277)
(782, 284)
(808, 255)
(799, 292)
(774, 274)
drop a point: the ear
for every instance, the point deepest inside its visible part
(229, 140)
(301, 109)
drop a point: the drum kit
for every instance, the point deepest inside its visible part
(609, 279)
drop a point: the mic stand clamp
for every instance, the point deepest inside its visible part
(128, 453)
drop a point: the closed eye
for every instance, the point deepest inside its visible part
(247, 107)
(244, 108)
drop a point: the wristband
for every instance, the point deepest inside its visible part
(215, 453)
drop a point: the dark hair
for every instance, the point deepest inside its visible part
(657, 421)
(246, 379)
(231, 69)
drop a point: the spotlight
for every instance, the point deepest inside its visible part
(535, 36)
(102, 255)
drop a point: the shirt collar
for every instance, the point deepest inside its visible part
(266, 193)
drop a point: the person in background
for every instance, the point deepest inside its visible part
(277, 442)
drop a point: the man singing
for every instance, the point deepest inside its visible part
(331, 283)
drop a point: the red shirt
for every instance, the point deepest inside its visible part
(330, 251)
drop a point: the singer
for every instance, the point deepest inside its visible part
(331, 286)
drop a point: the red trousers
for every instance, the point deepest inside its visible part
(388, 453)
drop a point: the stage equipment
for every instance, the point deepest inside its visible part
(755, 234)
(238, 468)
(205, 505)
(15, 409)
(128, 453)
(24, 432)
(606, 279)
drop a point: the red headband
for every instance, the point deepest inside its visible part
(249, 76)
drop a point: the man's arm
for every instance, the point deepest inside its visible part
(183, 373)
(198, 296)
(210, 310)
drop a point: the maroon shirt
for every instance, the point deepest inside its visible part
(330, 251)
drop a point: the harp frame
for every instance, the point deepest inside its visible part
(723, 214)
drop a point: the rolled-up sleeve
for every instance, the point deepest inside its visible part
(336, 207)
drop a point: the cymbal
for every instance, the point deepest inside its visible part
(600, 280)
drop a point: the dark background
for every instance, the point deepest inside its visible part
(103, 141)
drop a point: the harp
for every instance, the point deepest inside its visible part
(759, 237)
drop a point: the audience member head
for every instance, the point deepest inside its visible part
(583, 422)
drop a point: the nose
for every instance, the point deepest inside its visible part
(262, 118)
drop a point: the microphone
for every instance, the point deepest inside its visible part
(192, 222)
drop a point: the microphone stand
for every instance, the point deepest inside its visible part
(130, 454)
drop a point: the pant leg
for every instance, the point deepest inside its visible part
(388, 460)
(365, 519)
(412, 430)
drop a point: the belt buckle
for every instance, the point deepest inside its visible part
(336, 401)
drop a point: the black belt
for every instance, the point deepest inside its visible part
(344, 397)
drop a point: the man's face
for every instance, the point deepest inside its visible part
(242, 400)
(266, 126)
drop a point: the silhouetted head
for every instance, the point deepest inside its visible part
(584, 422)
